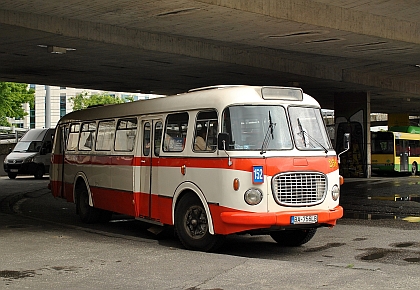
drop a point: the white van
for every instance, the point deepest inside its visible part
(31, 154)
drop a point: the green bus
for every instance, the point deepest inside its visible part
(396, 150)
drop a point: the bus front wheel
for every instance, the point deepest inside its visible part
(293, 238)
(191, 225)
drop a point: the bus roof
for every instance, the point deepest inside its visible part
(217, 97)
(405, 129)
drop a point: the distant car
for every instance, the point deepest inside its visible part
(31, 154)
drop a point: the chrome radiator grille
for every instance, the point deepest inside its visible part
(299, 188)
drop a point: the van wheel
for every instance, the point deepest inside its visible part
(39, 172)
(191, 225)
(87, 213)
(293, 238)
(12, 175)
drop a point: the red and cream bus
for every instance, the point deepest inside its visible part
(211, 162)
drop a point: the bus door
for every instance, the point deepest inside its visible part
(57, 168)
(150, 150)
(403, 154)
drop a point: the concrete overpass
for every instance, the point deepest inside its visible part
(326, 47)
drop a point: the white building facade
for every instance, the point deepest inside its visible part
(52, 103)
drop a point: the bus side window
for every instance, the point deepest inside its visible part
(146, 139)
(158, 137)
(87, 136)
(175, 132)
(125, 136)
(205, 132)
(73, 137)
(105, 135)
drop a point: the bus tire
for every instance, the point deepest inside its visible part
(11, 175)
(293, 238)
(414, 168)
(87, 213)
(191, 225)
(39, 171)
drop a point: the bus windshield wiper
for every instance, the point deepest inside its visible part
(304, 133)
(270, 131)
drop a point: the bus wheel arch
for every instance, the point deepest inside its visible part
(192, 224)
(190, 188)
(84, 203)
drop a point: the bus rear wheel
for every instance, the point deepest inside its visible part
(192, 228)
(87, 213)
(293, 238)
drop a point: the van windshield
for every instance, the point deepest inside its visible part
(28, 146)
(257, 128)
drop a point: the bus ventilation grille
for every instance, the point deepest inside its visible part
(299, 188)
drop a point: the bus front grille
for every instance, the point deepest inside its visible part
(299, 188)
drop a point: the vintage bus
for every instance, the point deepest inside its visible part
(396, 150)
(211, 162)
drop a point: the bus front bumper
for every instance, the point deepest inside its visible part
(243, 221)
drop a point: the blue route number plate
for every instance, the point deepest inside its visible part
(257, 174)
(304, 219)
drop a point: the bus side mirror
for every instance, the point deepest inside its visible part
(346, 141)
(223, 140)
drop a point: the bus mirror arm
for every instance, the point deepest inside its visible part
(346, 142)
(221, 145)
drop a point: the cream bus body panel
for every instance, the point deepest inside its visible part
(151, 186)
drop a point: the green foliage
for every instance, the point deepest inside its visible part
(83, 100)
(12, 97)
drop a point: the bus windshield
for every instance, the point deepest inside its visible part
(382, 143)
(309, 129)
(248, 126)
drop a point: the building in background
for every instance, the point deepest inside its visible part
(52, 103)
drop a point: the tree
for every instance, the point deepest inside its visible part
(12, 97)
(83, 100)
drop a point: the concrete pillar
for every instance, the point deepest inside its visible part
(47, 107)
(352, 115)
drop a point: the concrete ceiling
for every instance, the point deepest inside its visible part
(170, 46)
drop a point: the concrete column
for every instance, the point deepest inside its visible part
(352, 115)
(47, 107)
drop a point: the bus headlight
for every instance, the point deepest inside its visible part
(253, 196)
(335, 192)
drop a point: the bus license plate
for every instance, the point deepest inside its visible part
(14, 170)
(304, 219)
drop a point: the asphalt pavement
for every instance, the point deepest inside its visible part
(42, 252)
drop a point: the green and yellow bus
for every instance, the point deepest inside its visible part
(396, 150)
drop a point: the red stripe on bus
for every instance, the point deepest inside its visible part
(273, 165)
(225, 220)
